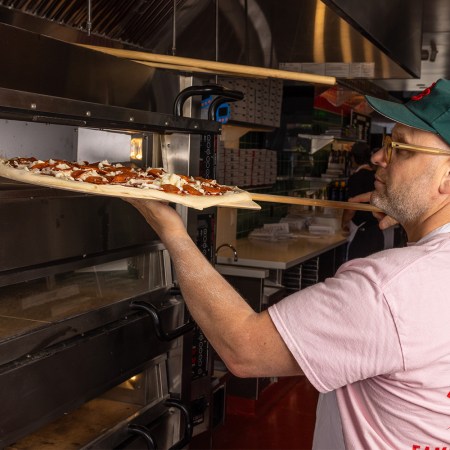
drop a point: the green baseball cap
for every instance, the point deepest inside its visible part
(428, 111)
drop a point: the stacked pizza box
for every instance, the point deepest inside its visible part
(230, 170)
(259, 167)
(262, 100)
(270, 173)
(246, 167)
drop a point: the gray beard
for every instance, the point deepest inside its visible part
(406, 204)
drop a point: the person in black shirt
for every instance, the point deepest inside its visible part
(365, 236)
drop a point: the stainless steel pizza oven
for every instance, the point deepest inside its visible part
(95, 344)
(91, 334)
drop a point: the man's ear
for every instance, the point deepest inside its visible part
(444, 187)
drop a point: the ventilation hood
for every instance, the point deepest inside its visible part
(255, 32)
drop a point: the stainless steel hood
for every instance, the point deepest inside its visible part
(256, 32)
(435, 50)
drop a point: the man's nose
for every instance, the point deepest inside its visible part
(378, 158)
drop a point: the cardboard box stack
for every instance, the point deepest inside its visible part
(246, 167)
(270, 173)
(262, 100)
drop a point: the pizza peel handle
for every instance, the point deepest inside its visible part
(313, 202)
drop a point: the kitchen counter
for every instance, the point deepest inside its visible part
(281, 254)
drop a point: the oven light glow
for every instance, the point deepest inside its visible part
(135, 381)
(136, 148)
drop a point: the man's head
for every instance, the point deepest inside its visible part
(414, 186)
(408, 187)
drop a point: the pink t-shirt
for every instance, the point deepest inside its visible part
(378, 335)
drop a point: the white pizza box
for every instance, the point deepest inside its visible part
(258, 167)
(231, 155)
(246, 167)
(233, 167)
(231, 158)
(248, 160)
(238, 116)
(232, 163)
(258, 179)
(259, 170)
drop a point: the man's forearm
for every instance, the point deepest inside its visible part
(212, 301)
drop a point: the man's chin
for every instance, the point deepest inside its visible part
(379, 200)
(376, 198)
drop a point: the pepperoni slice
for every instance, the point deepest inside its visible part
(95, 180)
(77, 174)
(155, 172)
(191, 190)
(204, 180)
(41, 165)
(121, 178)
(211, 190)
(170, 188)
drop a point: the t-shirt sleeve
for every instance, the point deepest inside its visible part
(339, 331)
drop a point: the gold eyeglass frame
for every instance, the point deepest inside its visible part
(389, 145)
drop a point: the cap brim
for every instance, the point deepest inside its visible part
(398, 112)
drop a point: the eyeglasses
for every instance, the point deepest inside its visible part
(389, 145)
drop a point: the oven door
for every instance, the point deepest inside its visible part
(68, 338)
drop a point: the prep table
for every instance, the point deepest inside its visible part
(282, 254)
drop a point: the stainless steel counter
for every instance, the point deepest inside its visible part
(281, 254)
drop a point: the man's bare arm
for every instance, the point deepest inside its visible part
(247, 342)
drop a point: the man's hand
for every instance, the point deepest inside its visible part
(384, 221)
(160, 216)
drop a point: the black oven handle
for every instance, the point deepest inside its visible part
(188, 423)
(220, 101)
(143, 432)
(154, 314)
(211, 89)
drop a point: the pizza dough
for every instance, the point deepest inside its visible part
(232, 197)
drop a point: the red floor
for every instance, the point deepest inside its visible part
(284, 421)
